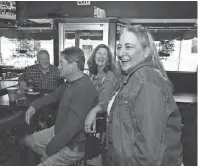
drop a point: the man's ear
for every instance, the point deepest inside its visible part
(75, 66)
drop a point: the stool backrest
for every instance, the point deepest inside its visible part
(95, 143)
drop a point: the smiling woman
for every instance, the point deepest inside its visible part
(144, 123)
(129, 51)
(135, 45)
(146, 93)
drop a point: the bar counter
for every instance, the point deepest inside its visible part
(5, 83)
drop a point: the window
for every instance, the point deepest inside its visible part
(22, 53)
(183, 58)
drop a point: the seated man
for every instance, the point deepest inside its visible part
(42, 77)
(64, 143)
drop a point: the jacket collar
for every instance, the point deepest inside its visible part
(124, 77)
(146, 62)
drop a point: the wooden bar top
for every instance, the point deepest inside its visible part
(6, 84)
(22, 102)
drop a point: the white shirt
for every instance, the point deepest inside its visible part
(111, 102)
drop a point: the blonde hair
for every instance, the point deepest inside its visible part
(147, 42)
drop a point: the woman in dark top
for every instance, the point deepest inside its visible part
(101, 71)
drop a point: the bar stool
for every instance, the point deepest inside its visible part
(95, 143)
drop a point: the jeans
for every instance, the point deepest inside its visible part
(38, 142)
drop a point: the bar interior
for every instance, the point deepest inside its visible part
(26, 27)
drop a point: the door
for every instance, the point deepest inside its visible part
(83, 35)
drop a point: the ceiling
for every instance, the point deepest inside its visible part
(152, 14)
(121, 9)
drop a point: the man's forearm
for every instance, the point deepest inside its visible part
(45, 100)
(53, 97)
(97, 109)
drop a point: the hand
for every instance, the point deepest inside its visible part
(90, 122)
(22, 86)
(29, 114)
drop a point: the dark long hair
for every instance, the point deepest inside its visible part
(93, 69)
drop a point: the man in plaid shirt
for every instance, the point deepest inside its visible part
(42, 77)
